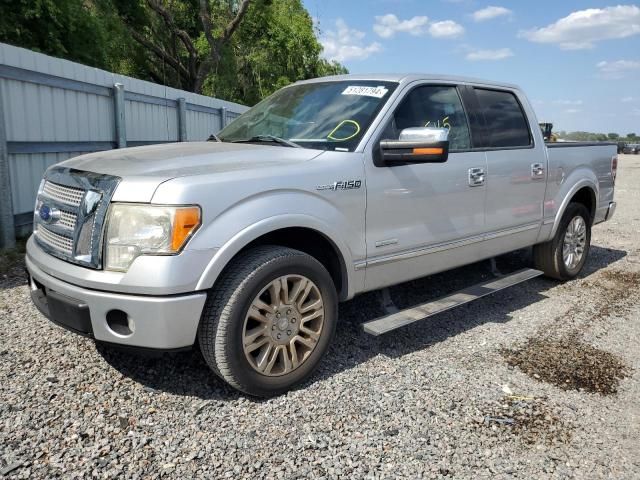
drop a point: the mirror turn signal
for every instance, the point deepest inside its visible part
(396, 152)
(414, 145)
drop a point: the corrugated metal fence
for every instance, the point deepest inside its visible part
(53, 109)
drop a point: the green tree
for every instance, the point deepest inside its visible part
(236, 50)
(239, 50)
(275, 46)
(613, 136)
(183, 41)
(74, 29)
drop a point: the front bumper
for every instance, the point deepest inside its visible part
(155, 322)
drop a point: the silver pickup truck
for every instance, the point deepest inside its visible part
(244, 245)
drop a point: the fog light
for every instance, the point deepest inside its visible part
(119, 322)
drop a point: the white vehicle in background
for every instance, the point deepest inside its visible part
(327, 189)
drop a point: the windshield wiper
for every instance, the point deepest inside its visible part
(269, 138)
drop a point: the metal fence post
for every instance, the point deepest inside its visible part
(7, 225)
(223, 116)
(182, 120)
(121, 127)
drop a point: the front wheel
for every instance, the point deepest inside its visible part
(565, 254)
(269, 320)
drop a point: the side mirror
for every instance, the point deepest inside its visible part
(416, 145)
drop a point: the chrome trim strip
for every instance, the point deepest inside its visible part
(548, 221)
(418, 252)
(384, 243)
(424, 251)
(511, 231)
(360, 265)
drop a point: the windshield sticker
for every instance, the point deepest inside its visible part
(377, 92)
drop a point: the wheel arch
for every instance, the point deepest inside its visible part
(587, 197)
(313, 243)
(585, 192)
(299, 232)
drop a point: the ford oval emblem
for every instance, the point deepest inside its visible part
(49, 214)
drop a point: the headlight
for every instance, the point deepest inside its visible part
(135, 230)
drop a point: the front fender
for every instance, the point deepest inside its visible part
(247, 221)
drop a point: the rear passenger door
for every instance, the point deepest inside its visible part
(516, 169)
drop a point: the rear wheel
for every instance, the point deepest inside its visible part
(564, 256)
(269, 320)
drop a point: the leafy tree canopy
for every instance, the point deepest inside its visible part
(239, 50)
(72, 29)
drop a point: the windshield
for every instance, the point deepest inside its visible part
(327, 116)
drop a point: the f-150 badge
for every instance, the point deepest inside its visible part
(341, 185)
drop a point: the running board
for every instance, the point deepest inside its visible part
(420, 312)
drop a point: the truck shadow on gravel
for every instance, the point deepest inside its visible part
(188, 374)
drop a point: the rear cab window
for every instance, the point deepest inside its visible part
(506, 123)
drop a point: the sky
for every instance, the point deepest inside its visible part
(578, 61)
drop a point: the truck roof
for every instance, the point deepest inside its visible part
(411, 77)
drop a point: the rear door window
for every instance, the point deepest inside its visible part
(506, 122)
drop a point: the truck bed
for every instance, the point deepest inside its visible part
(571, 161)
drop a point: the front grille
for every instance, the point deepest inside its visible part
(61, 193)
(59, 242)
(70, 214)
(68, 219)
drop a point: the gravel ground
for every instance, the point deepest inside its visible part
(486, 390)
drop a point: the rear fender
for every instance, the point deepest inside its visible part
(578, 179)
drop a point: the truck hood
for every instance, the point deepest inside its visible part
(163, 162)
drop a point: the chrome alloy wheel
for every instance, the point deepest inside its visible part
(575, 239)
(283, 325)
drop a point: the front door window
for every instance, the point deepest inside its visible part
(432, 106)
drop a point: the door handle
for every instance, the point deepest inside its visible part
(476, 177)
(537, 171)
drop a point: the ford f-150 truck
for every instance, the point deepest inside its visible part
(244, 245)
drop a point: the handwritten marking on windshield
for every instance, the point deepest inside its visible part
(332, 136)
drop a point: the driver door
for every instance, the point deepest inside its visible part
(425, 217)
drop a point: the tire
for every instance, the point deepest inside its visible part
(549, 257)
(227, 323)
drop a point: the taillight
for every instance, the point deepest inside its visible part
(614, 167)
